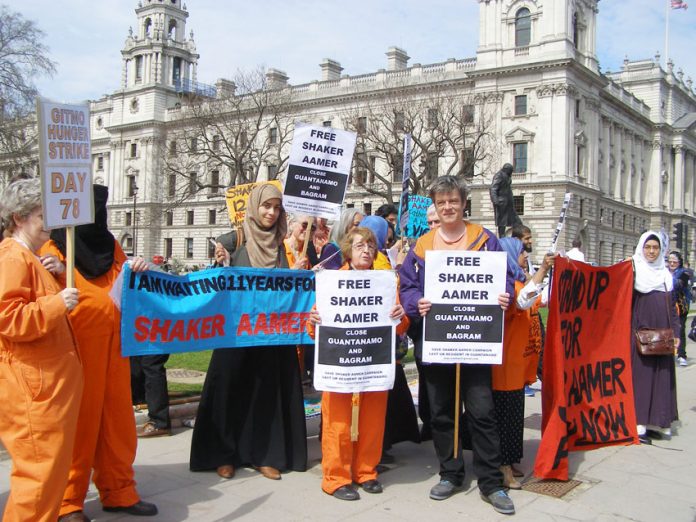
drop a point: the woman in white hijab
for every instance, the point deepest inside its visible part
(654, 383)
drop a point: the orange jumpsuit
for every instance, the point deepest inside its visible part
(343, 461)
(106, 440)
(40, 385)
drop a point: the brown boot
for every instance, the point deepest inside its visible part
(508, 480)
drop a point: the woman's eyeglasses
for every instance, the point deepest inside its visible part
(304, 226)
(364, 247)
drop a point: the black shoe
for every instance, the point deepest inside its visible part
(346, 493)
(139, 509)
(372, 486)
(644, 439)
(656, 435)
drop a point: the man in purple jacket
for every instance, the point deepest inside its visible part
(449, 196)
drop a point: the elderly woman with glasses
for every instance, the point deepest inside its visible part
(40, 371)
(344, 462)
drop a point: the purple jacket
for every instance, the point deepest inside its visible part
(412, 271)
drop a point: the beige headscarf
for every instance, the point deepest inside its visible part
(262, 243)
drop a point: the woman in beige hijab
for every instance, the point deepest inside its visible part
(252, 411)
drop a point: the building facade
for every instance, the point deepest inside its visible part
(623, 143)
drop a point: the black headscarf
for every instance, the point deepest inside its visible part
(94, 244)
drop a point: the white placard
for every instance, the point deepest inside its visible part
(318, 169)
(65, 162)
(354, 346)
(465, 323)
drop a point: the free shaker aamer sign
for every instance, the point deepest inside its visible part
(65, 163)
(355, 340)
(318, 169)
(465, 323)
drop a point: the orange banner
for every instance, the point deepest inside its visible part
(587, 394)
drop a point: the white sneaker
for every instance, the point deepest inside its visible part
(681, 361)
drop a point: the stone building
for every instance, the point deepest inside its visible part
(623, 143)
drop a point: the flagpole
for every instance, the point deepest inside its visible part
(667, 9)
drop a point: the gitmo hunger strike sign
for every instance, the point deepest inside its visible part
(65, 164)
(587, 398)
(217, 308)
(465, 323)
(355, 340)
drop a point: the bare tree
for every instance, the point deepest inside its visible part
(23, 57)
(451, 134)
(229, 140)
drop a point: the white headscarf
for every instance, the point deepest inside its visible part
(651, 276)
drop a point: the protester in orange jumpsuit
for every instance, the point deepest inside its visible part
(106, 438)
(510, 377)
(344, 461)
(40, 372)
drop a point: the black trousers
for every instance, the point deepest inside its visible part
(475, 391)
(149, 383)
(681, 351)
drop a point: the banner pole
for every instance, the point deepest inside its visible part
(457, 406)
(308, 233)
(355, 417)
(70, 257)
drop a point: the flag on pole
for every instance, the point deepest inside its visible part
(403, 203)
(679, 4)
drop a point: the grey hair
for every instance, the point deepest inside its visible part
(340, 229)
(20, 198)
(445, 184)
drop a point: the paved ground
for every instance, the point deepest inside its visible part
(641, 483)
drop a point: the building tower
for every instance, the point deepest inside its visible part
(514, 32)
(157, 52)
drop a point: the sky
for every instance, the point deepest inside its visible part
(85, 37)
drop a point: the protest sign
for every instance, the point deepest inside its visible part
(417, 216)
(65, 164)
(318, 169)
(465, 323)
(355, 340)
(587, 396)
(214, 308)
(236, 198)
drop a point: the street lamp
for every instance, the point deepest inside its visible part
(134, 190)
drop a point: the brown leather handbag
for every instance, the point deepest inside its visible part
(656, 341)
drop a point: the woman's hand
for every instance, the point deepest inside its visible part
(138, 264)
(314, 317)
(504, 301)
(70, 297)
(52, 264)
(424, 306)
(397, 312)
(301, 264)
(222, 256)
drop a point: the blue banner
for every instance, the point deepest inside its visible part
(417, 218)
(214, 308)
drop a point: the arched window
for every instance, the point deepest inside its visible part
(147, 27)
(172, 29)
(523, 27)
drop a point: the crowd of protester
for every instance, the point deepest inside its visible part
(66, 391)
